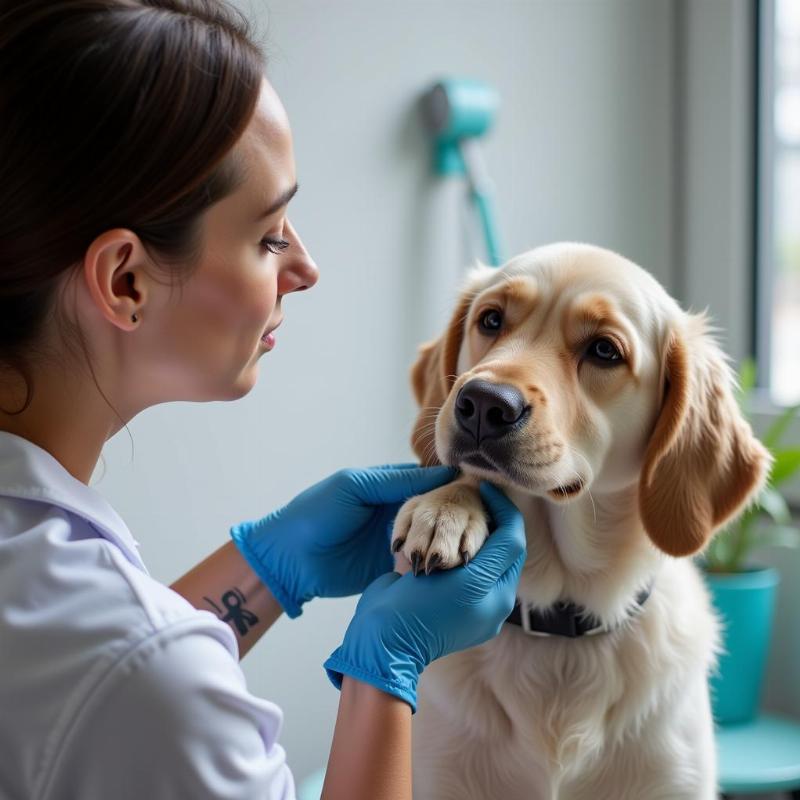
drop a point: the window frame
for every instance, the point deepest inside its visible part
(765, 187)
(766, 411)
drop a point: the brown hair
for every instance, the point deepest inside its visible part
(116, 113)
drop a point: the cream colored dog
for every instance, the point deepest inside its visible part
(572, 380)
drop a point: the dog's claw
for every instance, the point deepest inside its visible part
(433, 562)
(397, 544)
(415, 559)
(464, 557)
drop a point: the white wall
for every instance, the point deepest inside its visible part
(582, 150)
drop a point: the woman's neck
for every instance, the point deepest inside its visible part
(66, 417)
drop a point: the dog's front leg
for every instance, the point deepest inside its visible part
(440, 529)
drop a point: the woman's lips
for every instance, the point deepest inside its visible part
(267, 338)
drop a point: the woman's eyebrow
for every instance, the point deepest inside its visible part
(280, 202)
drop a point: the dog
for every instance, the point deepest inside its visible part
(573, 381)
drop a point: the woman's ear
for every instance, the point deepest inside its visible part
(432, 376)
(703, 464)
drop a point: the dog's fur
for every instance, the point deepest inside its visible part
(620, 472)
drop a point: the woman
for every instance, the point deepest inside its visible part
(142, 151)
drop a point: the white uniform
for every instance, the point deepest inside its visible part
(112, 686)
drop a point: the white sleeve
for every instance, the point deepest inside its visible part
(174, 720)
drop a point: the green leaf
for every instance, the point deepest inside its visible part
(732, 543)
(786, 463)
(718, 554)
(775, 431)
(771, 501)
(747, 380)
(777, 536)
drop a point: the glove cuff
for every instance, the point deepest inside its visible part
(239, 535)
(337, 667)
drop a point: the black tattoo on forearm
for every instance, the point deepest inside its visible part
(237, 615)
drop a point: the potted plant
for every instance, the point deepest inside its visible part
(743, 593)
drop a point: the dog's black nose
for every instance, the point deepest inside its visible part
(489, 410)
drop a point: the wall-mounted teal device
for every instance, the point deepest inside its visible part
(458, 112)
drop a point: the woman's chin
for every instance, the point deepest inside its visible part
(245, 382)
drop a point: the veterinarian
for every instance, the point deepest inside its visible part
(142, 150)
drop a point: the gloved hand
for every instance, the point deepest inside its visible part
(401, 624)
(332, 540)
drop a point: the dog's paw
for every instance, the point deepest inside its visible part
(440, 529)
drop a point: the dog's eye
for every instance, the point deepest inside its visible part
(604, 351)
(490, 321)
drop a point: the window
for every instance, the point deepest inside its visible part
(778, 213)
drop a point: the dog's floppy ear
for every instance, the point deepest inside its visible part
(703, 463)
(432, 377)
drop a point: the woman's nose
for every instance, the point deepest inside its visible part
(298, 270)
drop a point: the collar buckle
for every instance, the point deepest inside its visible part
(525, 610)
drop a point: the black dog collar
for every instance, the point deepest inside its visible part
(562, 619)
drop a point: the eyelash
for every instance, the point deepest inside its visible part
(267, 244)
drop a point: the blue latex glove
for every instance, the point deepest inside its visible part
(401, 624)
(332, 540)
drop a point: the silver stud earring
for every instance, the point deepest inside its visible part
(134, 318)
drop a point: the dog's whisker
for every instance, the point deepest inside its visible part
(594, 509)
(425, 449)
(429, 438)
(430, 450)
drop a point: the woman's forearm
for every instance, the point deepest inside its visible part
(224, 584)
(371, 751)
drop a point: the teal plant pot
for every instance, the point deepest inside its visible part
(745, 603)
